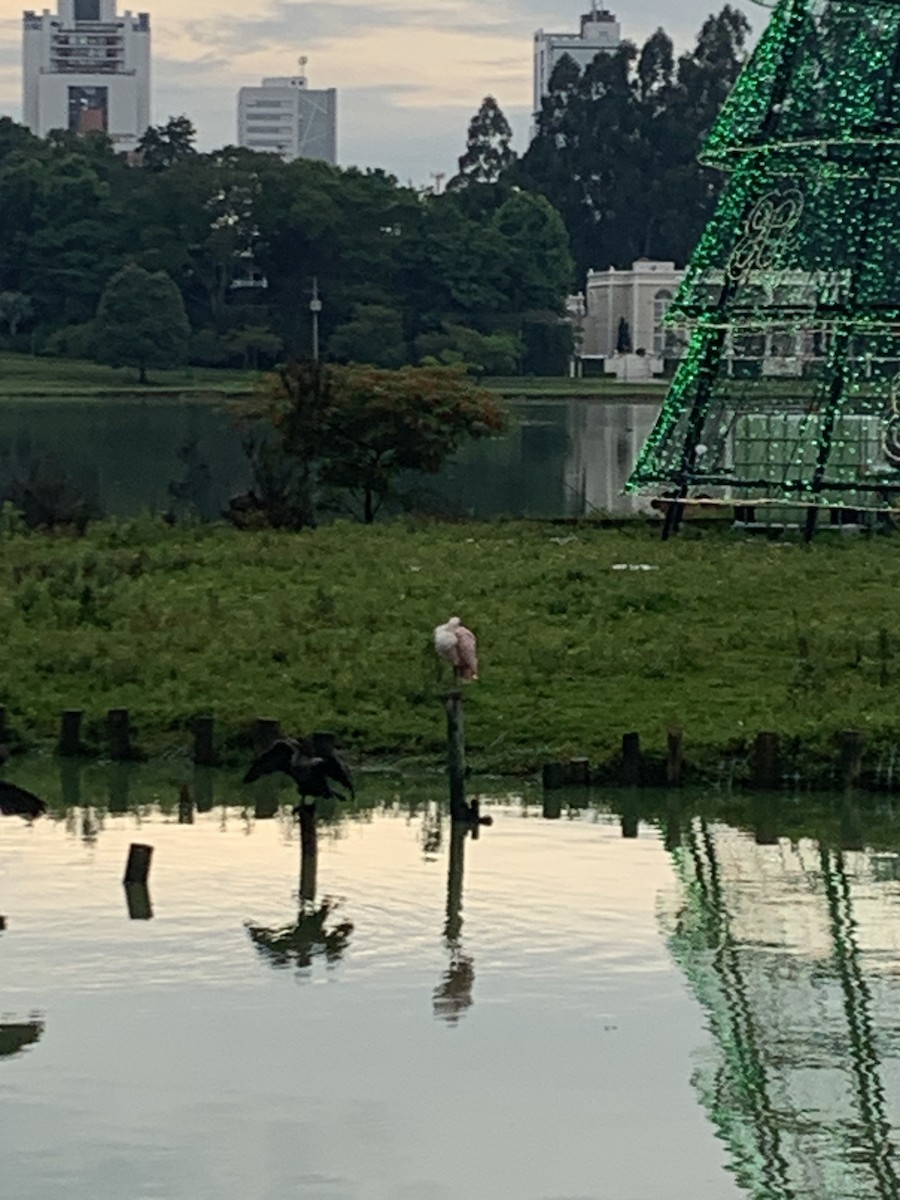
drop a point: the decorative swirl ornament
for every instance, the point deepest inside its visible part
(767, 232)
(890, 439)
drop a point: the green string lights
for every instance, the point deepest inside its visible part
(789, 392)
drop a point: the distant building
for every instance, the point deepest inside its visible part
(599, 31)
(87, 69)
(620, 318)
(284, 116)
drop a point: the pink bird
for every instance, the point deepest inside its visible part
(457, 645)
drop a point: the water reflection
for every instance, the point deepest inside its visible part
(307, 938)
(792, 951)
(16, 1037)
(453, 996)
(137, 897)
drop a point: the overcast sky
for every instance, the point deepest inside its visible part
(410, 73)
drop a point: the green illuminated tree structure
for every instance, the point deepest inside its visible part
(789, 392)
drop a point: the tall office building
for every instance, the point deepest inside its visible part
(284, 116)
(86, 68)
(599, 31)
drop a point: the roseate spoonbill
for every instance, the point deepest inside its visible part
(457, 645)
(16, 802)
(311, 773)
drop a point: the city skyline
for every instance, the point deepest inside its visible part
(410, 75)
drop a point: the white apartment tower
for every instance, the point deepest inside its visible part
(600, 31)
(285, 116)
(85, 68)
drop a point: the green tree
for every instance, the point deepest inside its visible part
(384, 423)
(163, 146)
(488, 151)
(141, 321)
(355, 430)
(374, 335)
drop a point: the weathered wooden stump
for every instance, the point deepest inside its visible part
(204, 741)
(674, 757)
(851, 754)
(553, 775)
(631, 759)
(456, 757)
(766, 773)
(118, 724)
(137, 868)
(70, 733)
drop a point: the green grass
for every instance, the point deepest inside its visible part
(331, 629)
(23, 375)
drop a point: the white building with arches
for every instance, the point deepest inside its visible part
(623, 318)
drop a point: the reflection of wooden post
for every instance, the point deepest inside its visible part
(456, 757)
(70, 783)
(118, 776)
(138, 866)
(630, 817)
(553, 775)
(765, 819)
(455, 872)
(673, 823)
(137, 897)
(552, 807)
(185, 806)
(204, 741)
(309, 852)
(674, 759)
(203, 789)
(70, 732)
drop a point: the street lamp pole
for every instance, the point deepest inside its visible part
(315, 307)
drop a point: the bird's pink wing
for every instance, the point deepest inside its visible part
(468, 652)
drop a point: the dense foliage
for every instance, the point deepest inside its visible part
(616, 145)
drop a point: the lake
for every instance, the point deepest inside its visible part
(561, 457)
(704, 1009)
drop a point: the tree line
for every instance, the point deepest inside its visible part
(212, 258)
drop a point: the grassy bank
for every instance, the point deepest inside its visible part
(331, 629)
(23, 375)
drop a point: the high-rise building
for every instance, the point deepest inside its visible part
(87, 68)
(285, 116)
(600, 31)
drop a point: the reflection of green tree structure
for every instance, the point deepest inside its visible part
(14, 1038)
(787, 389)
(771, 945)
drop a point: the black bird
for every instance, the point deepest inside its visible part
(312, 773)
(16, 802)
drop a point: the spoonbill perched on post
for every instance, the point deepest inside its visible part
(457, 645)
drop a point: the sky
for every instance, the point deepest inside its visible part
(410, 73)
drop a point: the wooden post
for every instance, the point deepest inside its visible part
(579, 771)
(138, 866)
(203, 790)
(309, 852)
(631, 759)
(851, 757)
(456, 757)
(765, 761)
(673, 823)
(765, 820)
(70, 732)
(851, 825)
(553, 775)
(204, 741)
(119, 727)
(3, 730)
(323, 743)
(265, 732)
(674, 761)
(70, 784)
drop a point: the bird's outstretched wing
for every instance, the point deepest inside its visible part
(280, 756)
(335, 768)
(17, 802)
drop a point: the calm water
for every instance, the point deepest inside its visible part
(550, 1012)
(560, 458)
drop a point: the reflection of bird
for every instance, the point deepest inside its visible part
(311, 773)
(456, 644)
(16, 802)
